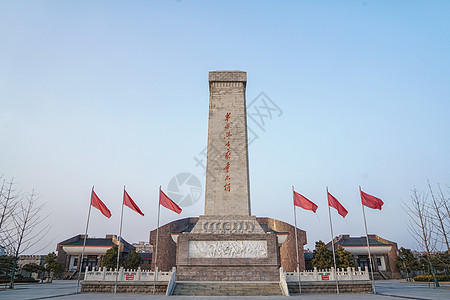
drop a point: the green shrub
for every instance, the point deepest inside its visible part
(23, 280)
(426, 278)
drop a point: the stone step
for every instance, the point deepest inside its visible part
(380, 275)
(227, 289)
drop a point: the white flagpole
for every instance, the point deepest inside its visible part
(118, 248)
(157, 235)
(332, 245)
(368, 245)
(84, 242)
(296, 247)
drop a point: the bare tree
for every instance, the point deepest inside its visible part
(444, 202)
(439, 217)
(9, 199)
(29, 227)
(420, 225)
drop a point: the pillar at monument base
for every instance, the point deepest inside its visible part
(227, 257)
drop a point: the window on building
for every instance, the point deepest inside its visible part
(73, 263)
(378, 261)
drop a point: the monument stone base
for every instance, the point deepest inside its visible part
(227, 249)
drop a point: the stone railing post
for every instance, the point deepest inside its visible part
(316, 274)
(350, 273)
(156, 274)
(139, 274)
(172, 283)
(332, 275)
(121, 274)
(283, 283)
(103, 273)
(86, 273)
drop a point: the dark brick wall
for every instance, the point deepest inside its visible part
(167, 248)
(288, 254)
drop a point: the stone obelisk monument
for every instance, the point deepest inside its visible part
(227, 183)
(227, 243)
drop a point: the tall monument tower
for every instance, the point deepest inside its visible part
(227, 183)
(227, 243)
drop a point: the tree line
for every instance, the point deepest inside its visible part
(130, 261)
(417, 263)
(323, 257)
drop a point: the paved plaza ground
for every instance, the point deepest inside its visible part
(386, 290)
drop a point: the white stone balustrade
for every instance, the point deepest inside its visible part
(103, 274)
(283, 283)
(349, 274)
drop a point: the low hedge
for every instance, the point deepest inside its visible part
(426, 278)
(23, 280)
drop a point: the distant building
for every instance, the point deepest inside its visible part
(384, 254)
(70, 251)
(143, 247)
(146, 260)
(30, 259)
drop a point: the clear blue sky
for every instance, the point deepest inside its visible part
(114, 93)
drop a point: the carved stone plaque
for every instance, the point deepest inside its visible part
(227, 249)
(234, 224)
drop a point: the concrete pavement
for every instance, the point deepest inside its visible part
(385, 290)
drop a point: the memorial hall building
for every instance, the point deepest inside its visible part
(70, 251)
(384, 254)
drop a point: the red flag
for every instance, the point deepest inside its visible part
(97, 203)
(371, 201)
(303, 202)
(130, 203)
(333, 202)
(167, 203)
